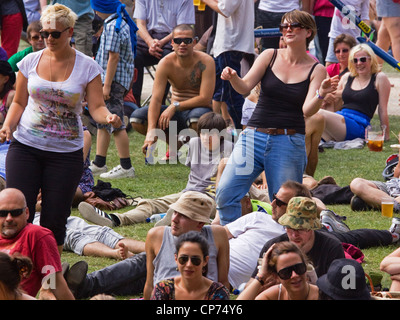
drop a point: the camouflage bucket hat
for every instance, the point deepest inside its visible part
(301, 213)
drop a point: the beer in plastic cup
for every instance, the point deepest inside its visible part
(196, 2)
(202, 6)
(387, 207)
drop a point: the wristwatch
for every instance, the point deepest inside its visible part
(176, 104)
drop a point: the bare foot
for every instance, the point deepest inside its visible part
(122, 251)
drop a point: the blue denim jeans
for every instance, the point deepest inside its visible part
(283, 157)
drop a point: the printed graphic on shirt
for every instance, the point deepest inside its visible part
(55, 117)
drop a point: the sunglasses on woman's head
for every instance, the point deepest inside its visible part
(286, 273)
(293, 26)
(341, 50)
(184, 40)
(278, 201)
(183, 259)
(53, 34)
(362, 59)
(14, 213)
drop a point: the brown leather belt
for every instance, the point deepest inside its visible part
(275, 131)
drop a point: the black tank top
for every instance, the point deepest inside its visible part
(365, 100)
(280, 104)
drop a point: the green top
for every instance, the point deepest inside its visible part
(18, 57)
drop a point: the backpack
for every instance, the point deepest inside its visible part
(391, 163)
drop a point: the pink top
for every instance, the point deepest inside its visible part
(323, 8)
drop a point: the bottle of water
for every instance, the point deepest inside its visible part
(239, 289)
(149, 159)
(155, 217)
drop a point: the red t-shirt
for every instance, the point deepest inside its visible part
(39, 244)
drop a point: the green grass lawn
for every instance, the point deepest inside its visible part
(343, 165)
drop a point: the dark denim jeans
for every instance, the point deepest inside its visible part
(224, 91)
(126, 277)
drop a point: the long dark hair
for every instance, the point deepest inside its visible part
(5, 69)
(194, 237)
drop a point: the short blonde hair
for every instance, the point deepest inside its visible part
(367, 49)
(58, 13)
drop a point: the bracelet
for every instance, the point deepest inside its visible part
(318, 95)
(261, 281)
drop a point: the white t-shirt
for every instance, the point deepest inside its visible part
(51, 120)
(236, 32)
(342, 23)
(279, 5)
(250, 233)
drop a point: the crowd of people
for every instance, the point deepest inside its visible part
(246, 218)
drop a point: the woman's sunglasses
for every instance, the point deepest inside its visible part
(362, 59)
(341, 50)
(293, 26)
(14, 213)
(286, 273)
(184, 40)
(53, 34)
(183, 259)
(278, 201)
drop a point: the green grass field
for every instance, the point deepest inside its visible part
(343, 165)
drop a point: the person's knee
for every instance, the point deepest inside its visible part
(357, 184)
(139, 127)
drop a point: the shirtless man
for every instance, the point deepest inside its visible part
(191, 74)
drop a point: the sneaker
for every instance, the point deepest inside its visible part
(395, 229)
(97, 170)
(358, 204)
(333, 222)
(76, 276)
(95, 215)
(119, 172)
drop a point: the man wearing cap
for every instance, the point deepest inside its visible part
(303, 228)
(137, 274)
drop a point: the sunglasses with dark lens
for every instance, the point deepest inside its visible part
(53, 34)
(362, 59)
(278, 201)
(341, 50)
(293, 26)
(14, 213)
(184, 40)
(183, 259)
(286, 273)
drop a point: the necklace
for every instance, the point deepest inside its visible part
(362, 85)
(65, 73)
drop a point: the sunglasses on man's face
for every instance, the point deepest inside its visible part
(278, 201)
(341, 50)
(362, 59)
(283, 27)
(286, 273)
(184, 40)
(14, 213)
(183, 259)
(53, 34)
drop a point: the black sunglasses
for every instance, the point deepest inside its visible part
(286, 273)
(342, 50)
(53, 34)
(14, 213)
(278, 201)
(183, 259)
(293, 26)
(184, 40)
(362, 59)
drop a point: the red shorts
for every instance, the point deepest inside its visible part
(11, 29)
